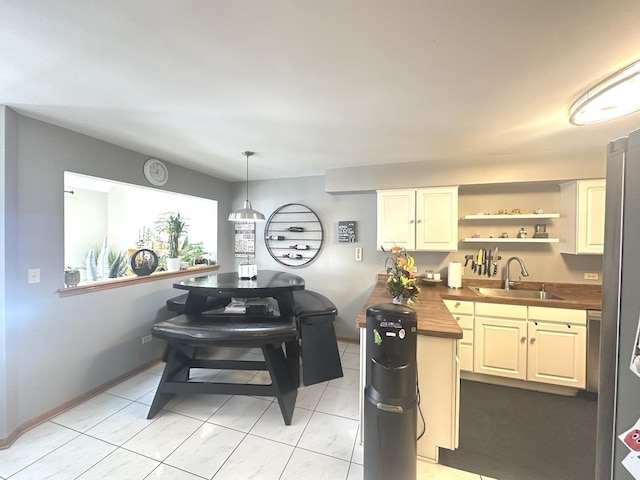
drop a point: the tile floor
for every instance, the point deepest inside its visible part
(217, 437)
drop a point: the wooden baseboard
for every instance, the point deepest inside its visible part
(34, 422)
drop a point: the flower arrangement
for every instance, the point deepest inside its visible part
(402, 281)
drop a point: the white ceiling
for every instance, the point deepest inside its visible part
(313, 85)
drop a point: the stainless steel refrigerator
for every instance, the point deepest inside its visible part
(618, 438)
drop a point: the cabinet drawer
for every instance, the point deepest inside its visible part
(457, 306)
(465, 321)
(562, 315)
(501, 310)
(467, 337)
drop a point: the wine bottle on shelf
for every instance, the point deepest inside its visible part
(295, 229)
(295, 256)
(300, 247)
(275, 237)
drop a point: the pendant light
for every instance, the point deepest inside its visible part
(246, 213)
(614, 97)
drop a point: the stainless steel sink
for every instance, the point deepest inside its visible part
(500, 292)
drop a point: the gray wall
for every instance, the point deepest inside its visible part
(59, 348)
(55, 349)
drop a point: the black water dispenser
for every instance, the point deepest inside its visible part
(391, 395)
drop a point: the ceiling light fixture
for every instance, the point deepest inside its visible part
(246, 213)
(614, 97)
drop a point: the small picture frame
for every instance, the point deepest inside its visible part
(347, 231)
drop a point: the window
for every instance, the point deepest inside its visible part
(96, 209)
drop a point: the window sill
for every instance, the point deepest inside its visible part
(134, 280)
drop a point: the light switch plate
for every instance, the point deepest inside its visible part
(358, 254)
(33, 275)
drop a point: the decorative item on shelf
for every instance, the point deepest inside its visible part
(295, 229)
(174, 227)
(71, 277)
(246, 213)
(247, 270)
(299, 246)
(401, 284)
(275, 237)
(522, 233)
(144, 262)
(296, 256)
(541, 231)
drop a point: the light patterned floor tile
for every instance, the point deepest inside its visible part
(240, 413)
(256, 459)
(67, 462)
(339, 401)
(135, 387)
(204, 452)
(122, 465)
(272, 426)
(32, 445)
(350, 379)
(167, 472)
(308, 397)
(163, 436)
(122, 425)
(330, 435)
(314, 466)
(200, 405)
(350, 360)
(91, 412)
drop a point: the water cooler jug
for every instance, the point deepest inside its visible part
(390, 403)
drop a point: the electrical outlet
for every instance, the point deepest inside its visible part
(591, 276)
(33, 275)
(146, 339)
(358, 254)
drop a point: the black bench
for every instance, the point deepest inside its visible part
(187, 332)
(316, 314)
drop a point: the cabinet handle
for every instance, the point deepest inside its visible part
(457, 304)
(523, 339)
(410, 222)
(418, 221)
(457, 319)
(532, 340)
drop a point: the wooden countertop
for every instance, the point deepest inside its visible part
(434, 319)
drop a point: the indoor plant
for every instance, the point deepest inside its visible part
(401, 284)
(174, 227)
(71, 276)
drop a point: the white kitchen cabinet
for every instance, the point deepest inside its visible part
(500, 340)
(439, 384)
(463, 313)
(557, 343)
(582, 205)
(418, 219)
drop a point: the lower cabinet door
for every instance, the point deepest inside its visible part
(500, 347)
(557, 354)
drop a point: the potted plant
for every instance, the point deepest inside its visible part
(71, 277)
(174, 227)
(194, 254)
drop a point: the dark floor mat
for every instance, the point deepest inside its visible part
(515, 434)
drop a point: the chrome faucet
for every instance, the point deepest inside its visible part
(523, 270)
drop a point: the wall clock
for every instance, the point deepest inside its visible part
(156, 172)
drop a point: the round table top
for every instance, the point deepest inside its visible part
(267, 283)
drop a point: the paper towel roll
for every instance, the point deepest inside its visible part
(454, 275)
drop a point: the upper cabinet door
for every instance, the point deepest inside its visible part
(591, 195)
(424, 219)
(396, 219)
(437, 219)
(582, 205)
